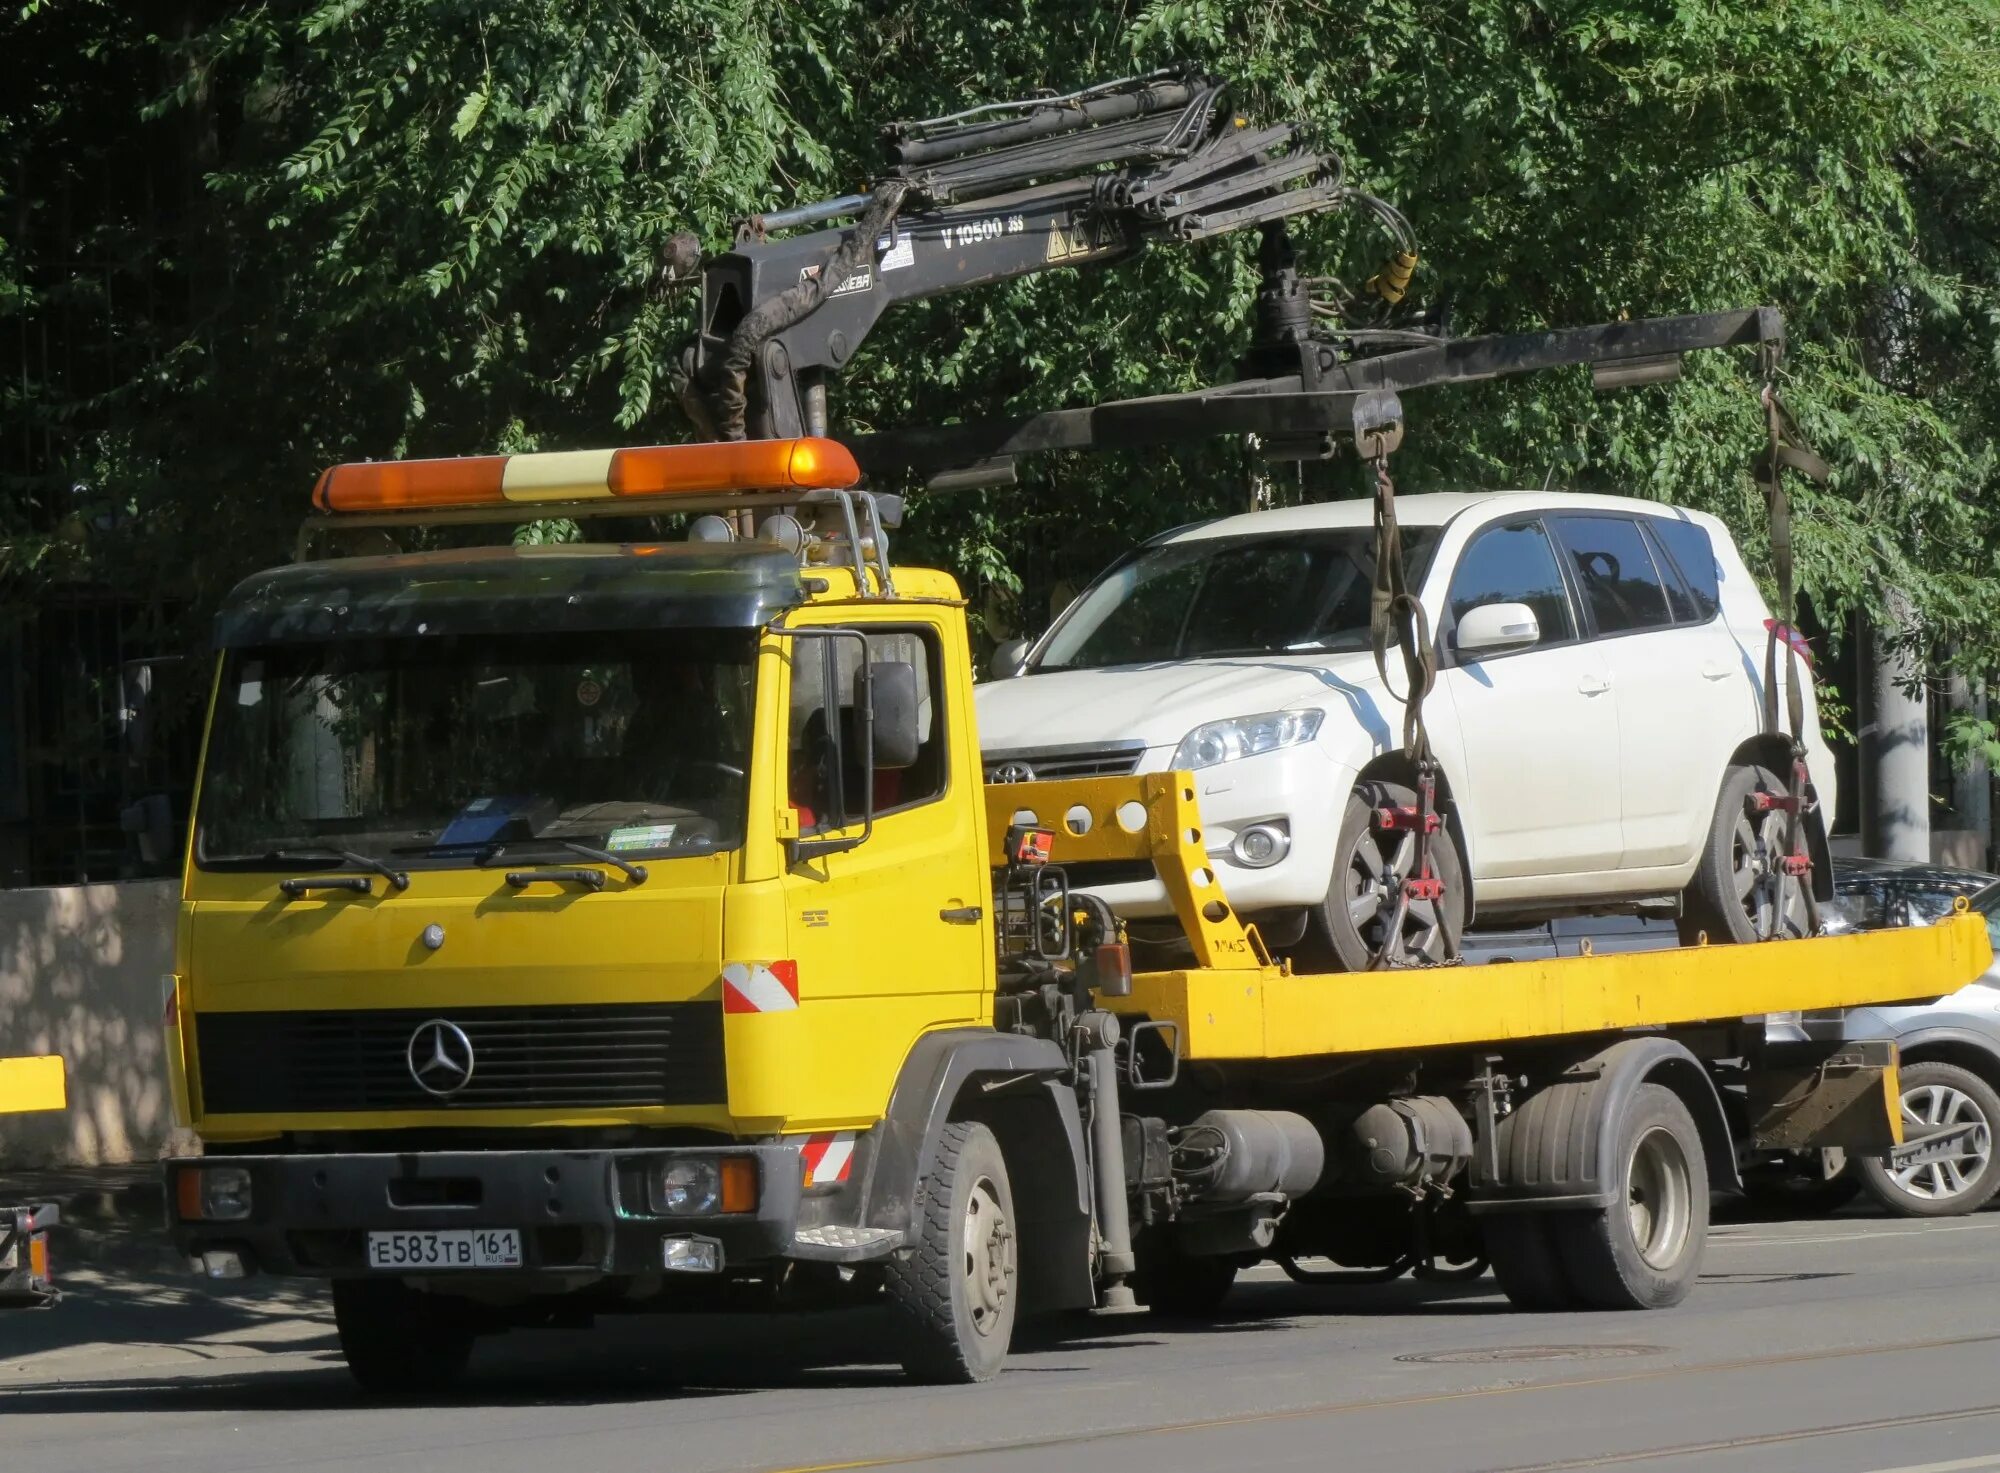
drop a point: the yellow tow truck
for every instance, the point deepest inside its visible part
(29, 1082)
(603, 927)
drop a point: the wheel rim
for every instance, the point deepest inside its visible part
(1769, 897)
(1929, 1109)
(986, 1266)
(1373, 879)
(1658, 1198)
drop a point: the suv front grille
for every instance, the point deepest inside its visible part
(588, 1056)
(1112, 759)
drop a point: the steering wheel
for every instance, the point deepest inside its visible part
(1600, 570)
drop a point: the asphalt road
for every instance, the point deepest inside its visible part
(1850, 1345)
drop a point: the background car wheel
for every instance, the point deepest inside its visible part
(1939, 1097)
(1357, 921)
(1739, 894)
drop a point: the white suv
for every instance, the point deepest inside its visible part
(1596, 717)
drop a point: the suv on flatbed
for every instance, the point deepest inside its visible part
(1597, 715)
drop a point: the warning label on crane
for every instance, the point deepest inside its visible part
(1073, 238)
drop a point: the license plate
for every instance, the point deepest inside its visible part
(451, 1248)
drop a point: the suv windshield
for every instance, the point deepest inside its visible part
(437, 749)
(1266, 594)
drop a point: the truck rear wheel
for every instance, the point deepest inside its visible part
(954, 1298)
(1643, 1250)
(1522, 1248)
(397, 1340)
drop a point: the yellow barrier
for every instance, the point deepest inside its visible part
(33, 1083)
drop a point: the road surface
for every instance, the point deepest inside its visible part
(1848, 1345)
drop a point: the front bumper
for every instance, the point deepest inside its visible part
(1297, 787)
(579, 1213)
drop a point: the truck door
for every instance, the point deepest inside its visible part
(887, 935)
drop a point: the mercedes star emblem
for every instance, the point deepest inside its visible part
(1013, 772)
(440, 1058)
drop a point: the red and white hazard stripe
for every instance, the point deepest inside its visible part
(759, 987)
(826, 1159)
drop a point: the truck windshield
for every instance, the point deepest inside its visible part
(444, 750)
(1268, 594)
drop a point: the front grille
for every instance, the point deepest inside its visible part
(536, 1057)
(1045, 764)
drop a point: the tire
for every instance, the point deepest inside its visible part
(1735, 895)
(1522, 1248)
(1940, 1094)
(1350, 923)
(1170, 1282)
(1643, 1251)
(953, 1299)
(399, 1342)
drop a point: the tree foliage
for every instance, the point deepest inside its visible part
(265, 237)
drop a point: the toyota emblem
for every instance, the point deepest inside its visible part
(440, 1058)
(1012, 772)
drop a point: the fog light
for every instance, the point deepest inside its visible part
(686, 1188)
(223, 1263)
(213, 1194)
(691, 1255)
(1261, 845)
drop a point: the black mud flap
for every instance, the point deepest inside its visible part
(1816, 1095)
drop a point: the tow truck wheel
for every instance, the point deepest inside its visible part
(1522, 1247)
(954, 1298)
(1938, 1098)
(1360, 922)
(1739, 893)
(1642, 1251)
(398, 1341)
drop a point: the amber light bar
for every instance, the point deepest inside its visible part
(806, 464)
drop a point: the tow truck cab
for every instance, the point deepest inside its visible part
(589, 853)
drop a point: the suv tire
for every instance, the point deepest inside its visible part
(1360, 899)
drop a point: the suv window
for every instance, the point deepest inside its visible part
(1514, 564)
(1615, 573)
(1691, 552)
(826, 768)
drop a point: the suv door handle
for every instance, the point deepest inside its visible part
(1716, 670)
(962, 915)
(1590, 685)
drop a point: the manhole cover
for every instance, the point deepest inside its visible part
(1527, 1352)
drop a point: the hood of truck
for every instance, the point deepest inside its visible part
(1161, 703)
(461, 1000)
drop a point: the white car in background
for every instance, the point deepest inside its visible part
(1596, 717)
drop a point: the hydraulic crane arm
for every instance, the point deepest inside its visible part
(989, 195)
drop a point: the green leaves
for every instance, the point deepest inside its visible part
(364, 227)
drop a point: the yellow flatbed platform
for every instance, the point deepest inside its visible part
(1237, 1004)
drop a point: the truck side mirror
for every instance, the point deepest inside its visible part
(1010, 659)
(896, 735)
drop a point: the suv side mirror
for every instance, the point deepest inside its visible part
(895, 735)
(1491, 628)
(1011, 658)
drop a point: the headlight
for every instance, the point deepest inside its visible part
(1245, 736)
(213, 1194)
(686, 1188)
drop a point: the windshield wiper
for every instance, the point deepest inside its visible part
(398, 879)
(636, 873)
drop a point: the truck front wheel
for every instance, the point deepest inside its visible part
(398, 1341)
(954, 1298)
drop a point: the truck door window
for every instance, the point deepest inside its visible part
(825, 768)
(1514, 564)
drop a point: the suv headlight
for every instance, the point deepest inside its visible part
(1245, 736)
